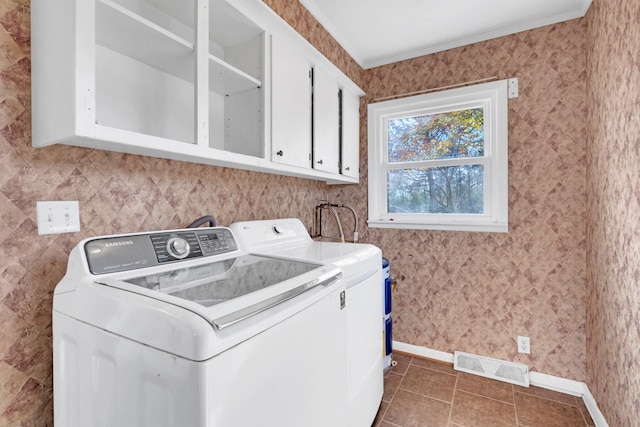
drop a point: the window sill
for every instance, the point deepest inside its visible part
(493, 227)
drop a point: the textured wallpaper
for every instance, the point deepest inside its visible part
(476, 292)
(304, 23)
(457, 291)
(613, 303)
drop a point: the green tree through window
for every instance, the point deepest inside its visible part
(436, 189)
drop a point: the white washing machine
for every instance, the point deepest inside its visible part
(181, 328)
(361, 266)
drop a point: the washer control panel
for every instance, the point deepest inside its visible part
(175, 246)
(122, 253)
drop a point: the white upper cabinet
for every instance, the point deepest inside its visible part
(191, 80)
(326, 122)
(305, 112)
(290, 105)
(350, 141)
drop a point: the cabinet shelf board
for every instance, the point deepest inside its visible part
(227, 26)
(123, 31)
(226, 79)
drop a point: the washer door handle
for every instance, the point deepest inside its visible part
(251, 310)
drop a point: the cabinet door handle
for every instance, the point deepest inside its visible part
(280, 153)
(347, 168)
(319, 162)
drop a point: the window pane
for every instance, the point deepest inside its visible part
(451, 189)
(437, 136)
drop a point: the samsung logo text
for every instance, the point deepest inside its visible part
(122, 243)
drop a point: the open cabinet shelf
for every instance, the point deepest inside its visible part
(136, 37)
(226, 79)
(131, 35)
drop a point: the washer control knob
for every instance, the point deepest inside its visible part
(178, 247)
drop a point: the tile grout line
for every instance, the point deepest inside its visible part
(547, 398)
(576, 406)
(453, 399)
(425, 396)
(515, 406)
(486, 397)
(430, 397)
(455, 374)
(391, 399)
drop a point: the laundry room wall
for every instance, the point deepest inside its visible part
(457, 291)
(117, 193)
(613, 176)
(476, 292)
(306, 25)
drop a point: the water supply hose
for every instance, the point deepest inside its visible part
(198, 222)
(335, 213)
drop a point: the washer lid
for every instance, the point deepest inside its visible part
(227, 291)
(219, 281)
(288, 238)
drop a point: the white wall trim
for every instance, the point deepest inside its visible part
(559, 384)
(550, 382)
(423, 352)
(592, 407)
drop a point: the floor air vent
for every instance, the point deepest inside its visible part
(514, 373)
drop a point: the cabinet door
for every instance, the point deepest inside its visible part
(350, 162)
(326, 122)
(290, 105)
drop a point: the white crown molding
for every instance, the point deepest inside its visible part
(371, 62)
(323, 19)
(377, 62)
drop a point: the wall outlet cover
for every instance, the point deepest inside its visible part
(524, 345)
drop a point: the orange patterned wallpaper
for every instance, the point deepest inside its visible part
(476, 292)
(304, 23)
(613, 256)
(458, 291)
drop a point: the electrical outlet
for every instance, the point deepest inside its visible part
(524, 346)
(57, 217)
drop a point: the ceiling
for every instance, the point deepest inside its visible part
(378, 32)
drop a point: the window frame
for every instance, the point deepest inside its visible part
(493, 97)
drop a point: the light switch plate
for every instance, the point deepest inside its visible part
(58, 217)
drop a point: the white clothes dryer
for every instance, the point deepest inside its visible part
(361, 266)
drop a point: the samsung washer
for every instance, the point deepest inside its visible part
(181, 328)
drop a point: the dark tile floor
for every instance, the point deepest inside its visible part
(420, 392)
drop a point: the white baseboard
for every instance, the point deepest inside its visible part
(592, 407)
(550, 382)
(423, 352)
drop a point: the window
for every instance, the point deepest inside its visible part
(439, 161)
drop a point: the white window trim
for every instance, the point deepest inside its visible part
(493, 97)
